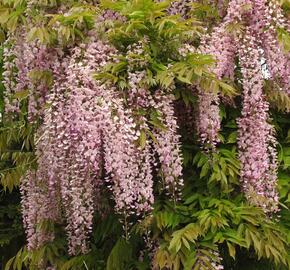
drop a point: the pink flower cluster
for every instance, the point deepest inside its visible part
(180, 7)
(37, 208)
(256, 141)
(208, 121)
(267, 18)
(221, 46)
(94, 136)
(27, 69)
(167, 145)
(90, 139)
(256, 136)
(9, 75)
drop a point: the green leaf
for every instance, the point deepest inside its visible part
(227, 89)
(232, 138)
(284, 39)
(120, 255)
(142, 139)
(190, 232)
(21, 94)
(232, 250)
(4, 15)
(204, 170)
(184, 80)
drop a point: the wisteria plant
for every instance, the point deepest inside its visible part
(147, 132)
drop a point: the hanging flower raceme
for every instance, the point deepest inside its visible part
(167, 145)
(223, 48)
(166, 141)
(128, 164)
(83, 118)
(180, 7)
(40, 200)
(266, 20)
(208, 120)
(222, 45)
(30, 64)
(70, 162)
(40, 189)
(9, 74)
(35, 200)
(256, 142)
(40, 76)
(87, 127)
(259, 167)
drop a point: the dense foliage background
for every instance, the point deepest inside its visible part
(212, 225)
